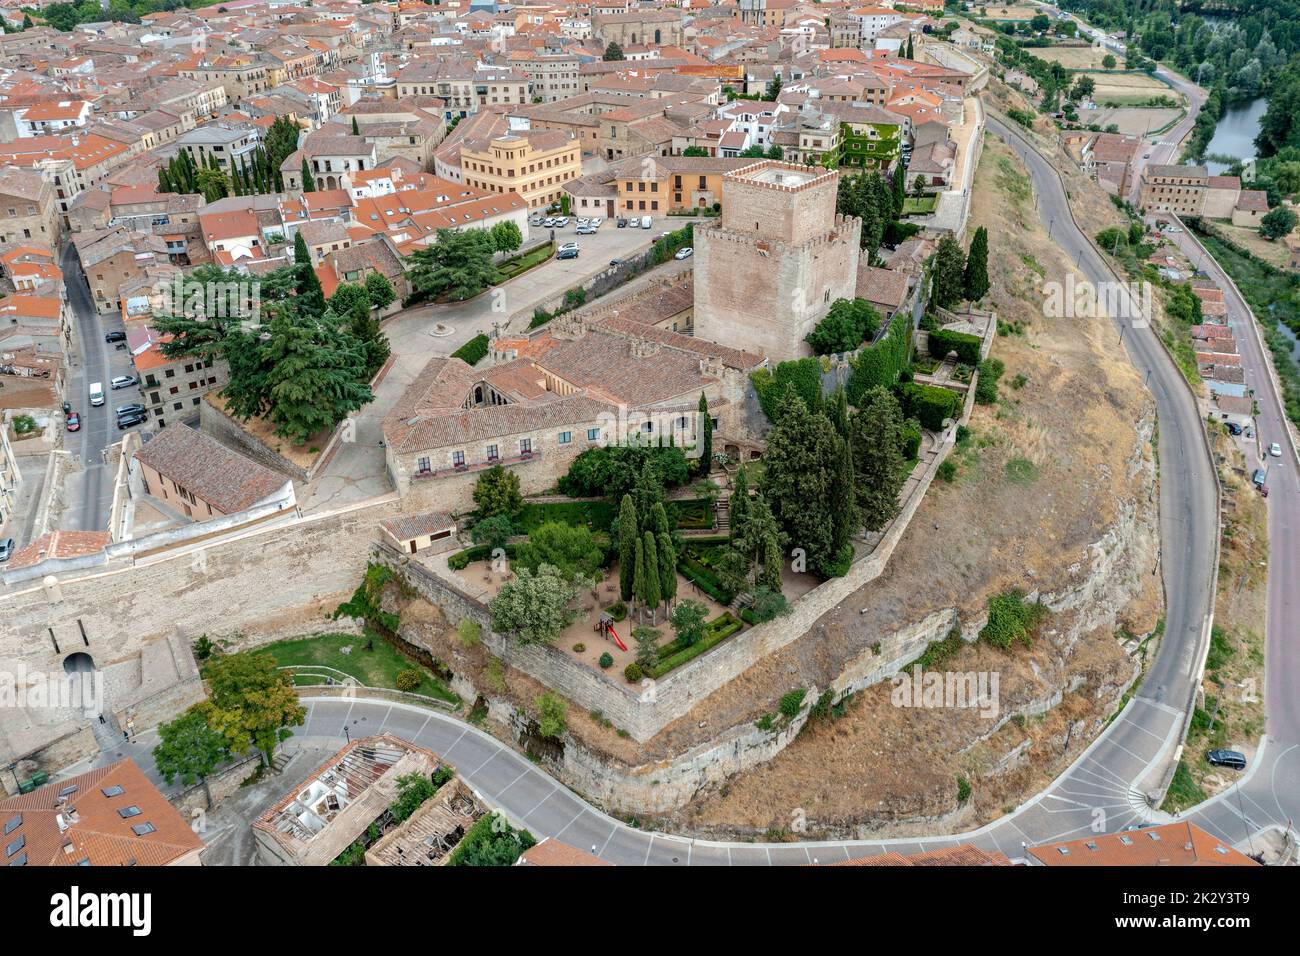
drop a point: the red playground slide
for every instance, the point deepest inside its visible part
(614, 635)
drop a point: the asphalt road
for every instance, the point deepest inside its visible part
(1282, 652)
(89, 492)
(1102, 791)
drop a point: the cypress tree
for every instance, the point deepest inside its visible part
(739, 504)
(845, 519)
(876, 444)
(975, 279)
(627, 538)
(899, 187)
(308, 184)
(770, 575)
(659, 519)
(638, 573)
(653, 594)
(706, 437)
(667, 568)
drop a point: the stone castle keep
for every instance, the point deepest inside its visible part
(768, 270)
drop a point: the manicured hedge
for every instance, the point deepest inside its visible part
(473, 351)
(911, 442)
(596, 515)
(966, 346)
(715, 632)
(479, 552)
(704, 579)
(929, 404)
(691, 513)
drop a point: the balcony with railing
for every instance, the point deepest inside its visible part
(477, 466)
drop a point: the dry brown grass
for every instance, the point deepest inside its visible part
(1073, 419)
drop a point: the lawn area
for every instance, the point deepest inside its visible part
(596, 515)
(919, 207)
(688, 513)
(377, 668)
(517, 265)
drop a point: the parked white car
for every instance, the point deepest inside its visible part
(1275, 450)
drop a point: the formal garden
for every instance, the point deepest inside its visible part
(642, 558)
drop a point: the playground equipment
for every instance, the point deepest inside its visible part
(606, 628)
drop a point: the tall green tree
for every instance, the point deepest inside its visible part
(706, 437)
(667, 568)
(497, 493)
(845, 519)
(653, 594)
(251, 703)
(458, 265)
(947, 284)
(317, 377)
(638, 572)
(738, 505)
(189, 749)
(534, 605)
(379, 290)
(975, 278)
(876, 441)
(308, 181)
(800, 480)
(627, 539)
(506, 236)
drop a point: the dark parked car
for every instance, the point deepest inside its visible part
(622, 223)
(132, 409)
(74, 422)
(115, 337)
(1227, 758)
(130, 421)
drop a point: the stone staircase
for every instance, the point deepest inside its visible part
(722, 515)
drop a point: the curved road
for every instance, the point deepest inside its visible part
(1102, 791)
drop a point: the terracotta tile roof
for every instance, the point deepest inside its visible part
(226, 480)
(60, 544)
(406, 527)
(96, 832)
(887, 287)
(552, 852)
(1174, 844)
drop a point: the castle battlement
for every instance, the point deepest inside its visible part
(844, 229)
(781, 177)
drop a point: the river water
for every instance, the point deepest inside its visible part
(1235, 133)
